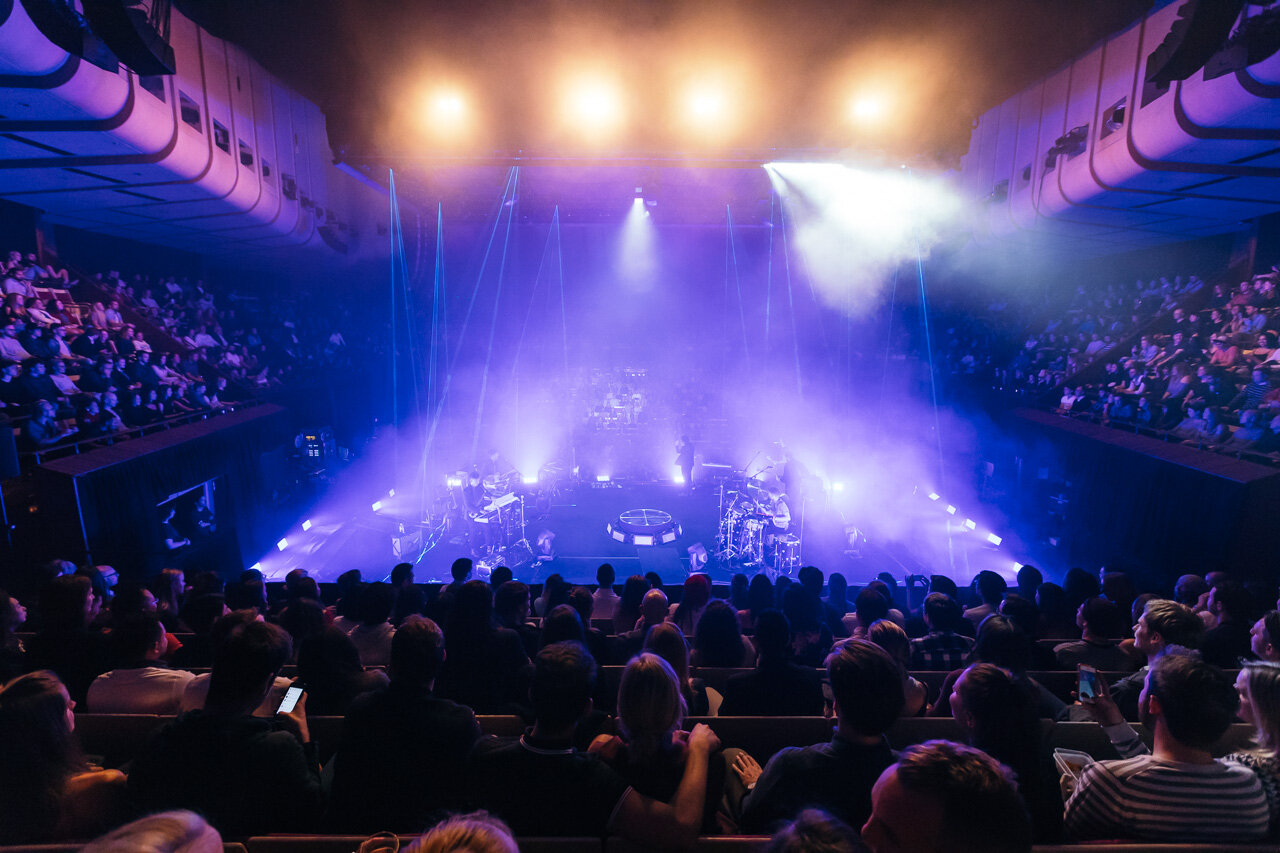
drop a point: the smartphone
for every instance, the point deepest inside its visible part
(1088, 686)
(291, 697)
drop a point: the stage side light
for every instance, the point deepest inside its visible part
(970, 524)
(593, 105)
(837, 487)
(994, 539)
(951, 510)
(256, 567)
(933, 496)
(391, 494)
(377, 505)
(282, 544)
(1017, 566)
(306, 525)
(867, 109)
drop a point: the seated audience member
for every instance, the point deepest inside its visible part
(485, 667)
(193, 698)
(718, 640)
(372, 636)
(942, 648)
(941, 797)
(403, 749)
(777, 687)
(540, 785)
(998, 714)
(593, 638)
(1002, 643)
(836, 776)
(653, 612)
(990, 587)
(666, 641)
(66, 644)
(200, 613)
(893, 640)
(409, 599)
(1258, 686)
(562, 625)
(1189, 589)
(246, 775)
(1057, 618)
(605, 600)
(41, 431)
(1100, 621)
(627, 612)
(1264, 637)
(141, 683)
(1229, 639)
(869, 605)
(166, 832)
(811, 637)
(1178, 792)
(12, 653)
(554, 593)
(478, 832)
(511, 609)
(47, 790)
(759, 599)
(1163, 624)
(694, 600)
(815, 831)
(329, 668)
(650, 754)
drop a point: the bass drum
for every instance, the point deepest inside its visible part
(751, 540)
(786, 554)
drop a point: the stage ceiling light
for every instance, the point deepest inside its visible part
(994, 539)
(706, 107)
(593, 106)
(447, 114)
(867, 109)
(306, 525)
(282, 544)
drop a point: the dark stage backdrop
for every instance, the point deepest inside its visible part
(114, 491)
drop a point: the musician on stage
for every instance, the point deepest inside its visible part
(779, 512)
(479, 526)
(684, 458)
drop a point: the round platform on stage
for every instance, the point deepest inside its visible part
(644, 527)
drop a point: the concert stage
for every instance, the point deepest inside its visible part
(578, 518)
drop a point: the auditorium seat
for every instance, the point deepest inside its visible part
(348, 843)
(709, 843)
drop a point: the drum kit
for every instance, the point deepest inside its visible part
(746, 515)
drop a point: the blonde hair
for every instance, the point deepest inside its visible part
(166, 832)
(650, 704)
(477, 832)
(1264, 694)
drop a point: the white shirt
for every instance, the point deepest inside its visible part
(144, 690)
(198, 690)
(373, 643)
(604, 603)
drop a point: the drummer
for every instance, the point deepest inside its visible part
(779, 513)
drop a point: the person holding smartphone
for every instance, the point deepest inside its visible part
(247, 775)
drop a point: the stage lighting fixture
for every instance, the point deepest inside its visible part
(447, 112)
(994, 539)
(970, 524)
(677, 476)
(306, 525)
(391, 494)
(706, 106)
(453, 482)
(602, 478)
(529, 481)
(282, 544)
(933, 496)
(593, 105)
(377, 505)
(256, 567)
(951, 510)
(867, 109)
(1017, 566)
(837, 487)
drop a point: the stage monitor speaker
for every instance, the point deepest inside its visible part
(1201, 29)
(8, 455)
(138, 35)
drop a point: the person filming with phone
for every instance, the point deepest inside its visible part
(247, 775)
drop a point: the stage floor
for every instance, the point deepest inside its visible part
(578, 519)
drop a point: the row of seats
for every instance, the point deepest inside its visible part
(117, 738)
(707, 844)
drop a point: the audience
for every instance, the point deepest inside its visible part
(1101, 627)
(1177, 792)
(403, 750)
(777, 687)
(540, 785)
(141, 682)
(867, 691)
(47, 790)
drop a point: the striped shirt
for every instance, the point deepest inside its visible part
(1156, 800)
